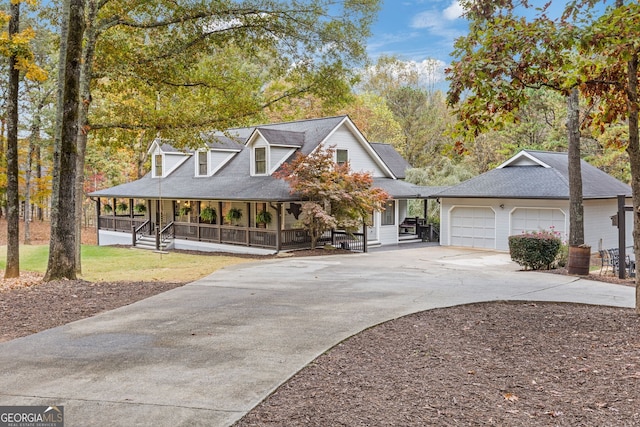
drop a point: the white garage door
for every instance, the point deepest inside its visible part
(532, 219)
(473, 227)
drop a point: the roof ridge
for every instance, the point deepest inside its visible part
(290, 122)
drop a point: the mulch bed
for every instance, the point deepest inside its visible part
(504, 364)
(36, 306)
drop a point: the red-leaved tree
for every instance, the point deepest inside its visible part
(333, 195)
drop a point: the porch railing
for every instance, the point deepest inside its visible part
(215, 233)
(119, 223)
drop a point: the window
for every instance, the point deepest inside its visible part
(342, 156)
(202, 162)
(260, 154)
(389, 213)
(158, 161)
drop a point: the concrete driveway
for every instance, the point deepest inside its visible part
(206, 353)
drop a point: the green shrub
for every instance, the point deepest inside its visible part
(534, 250)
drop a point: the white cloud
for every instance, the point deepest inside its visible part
(454, 11)
(435, 19)
(427, 19)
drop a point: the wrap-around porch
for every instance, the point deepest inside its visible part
(159, 223)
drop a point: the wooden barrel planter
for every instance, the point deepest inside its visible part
(579, 260)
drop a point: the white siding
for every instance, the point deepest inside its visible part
(172, 161)
(217, 159)
(359, 158)
(598, 231)
(277, 156)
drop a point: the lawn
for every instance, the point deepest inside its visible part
(104, 263)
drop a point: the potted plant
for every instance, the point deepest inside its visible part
(263, 218)
(208, 214)
(107, 208)
(234, 214)
(185, 210)
(140, 208)
(122, 207)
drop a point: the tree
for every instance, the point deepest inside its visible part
(334, 196)
(13, 208)
(599, 56)
(16, 47)
(612, 46)
(176, 68)
(62, 261)
(505, 54)
(419, 110)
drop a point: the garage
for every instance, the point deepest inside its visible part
(473, 227)
(535, 219)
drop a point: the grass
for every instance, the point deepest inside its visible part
(109, 264)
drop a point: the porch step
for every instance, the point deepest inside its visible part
(409, 239)
(149, 243)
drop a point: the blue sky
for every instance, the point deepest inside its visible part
(417, 30)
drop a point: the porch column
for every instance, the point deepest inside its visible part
(198, 210)
(219, 220)
(364, 235)
(247, 237)
(98, 221)
(278, 227)
(130, 208)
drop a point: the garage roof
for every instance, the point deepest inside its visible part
(537, 175)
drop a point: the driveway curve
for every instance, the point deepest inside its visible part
(206, 353)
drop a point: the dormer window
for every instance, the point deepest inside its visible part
(202, 163)
(158, 165)
(342, 156)
(260, 160)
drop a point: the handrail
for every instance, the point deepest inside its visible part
(167, 232)
(142, 226)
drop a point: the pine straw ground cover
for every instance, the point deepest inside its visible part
(515, 364)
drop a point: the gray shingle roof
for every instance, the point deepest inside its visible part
(392, 159)
(233, 181)
(538, 182)
(282, 137)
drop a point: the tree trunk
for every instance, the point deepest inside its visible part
(63, 219)
(634, 159)
(38, 156)
(83, 121)
(34, 142)
(13, 207)
(576, 209)
(35, 129)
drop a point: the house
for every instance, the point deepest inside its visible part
(530, 192)
(190, 196)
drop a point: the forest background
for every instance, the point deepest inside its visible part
(177, 69)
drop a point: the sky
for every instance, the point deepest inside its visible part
(418, 30)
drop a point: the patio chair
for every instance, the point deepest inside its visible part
(630, 266)
(605, 261)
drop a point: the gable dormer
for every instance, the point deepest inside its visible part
(165, 159)
(215, 154)
(269, 148)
